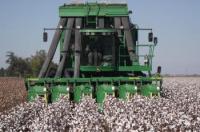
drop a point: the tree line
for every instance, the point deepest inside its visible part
(24, 67)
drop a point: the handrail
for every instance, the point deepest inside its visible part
(97, 1)
(143, 45)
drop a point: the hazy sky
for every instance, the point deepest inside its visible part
(175, 22)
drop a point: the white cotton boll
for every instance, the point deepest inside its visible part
(178, 109)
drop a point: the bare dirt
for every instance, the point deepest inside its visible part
(12, 92)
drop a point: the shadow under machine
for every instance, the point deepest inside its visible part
(100, 55)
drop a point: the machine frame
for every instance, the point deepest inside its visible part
(121, 86)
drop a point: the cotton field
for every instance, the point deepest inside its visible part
(177, 110)
(12, 92)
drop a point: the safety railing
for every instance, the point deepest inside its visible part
(148, 56)
(97, 1)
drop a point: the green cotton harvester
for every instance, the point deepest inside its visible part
(100, 55)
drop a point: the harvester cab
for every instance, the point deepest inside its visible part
(99, 56)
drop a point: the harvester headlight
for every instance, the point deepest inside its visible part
(121, 27)
(136, 88)
(113, 88)
(61, 27)
(78, 27)
(158, 88)
(45, 89)
(67, 89)
(145, 60)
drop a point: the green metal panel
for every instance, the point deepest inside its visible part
(80, 91)
(100, 94)
(111, 68)
(71, 10)
(149, 90)
(85, 10)
(87, 90)
(35, 91)
(96, 68)
(126, 90)
(109, 89)
(148, 86)
(31, 95)
(135, 68)
(102, 91)
(35, 81)
(58, 91)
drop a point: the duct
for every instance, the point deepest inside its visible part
(78, 47)
(101, 23)
(98, 55)
(66, 46)
(117, 25)
(52, 48)
(129, 38)
(117, 22)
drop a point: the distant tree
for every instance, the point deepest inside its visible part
(2, 72)
(36, 62)
(17, 65)
(26, 67)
